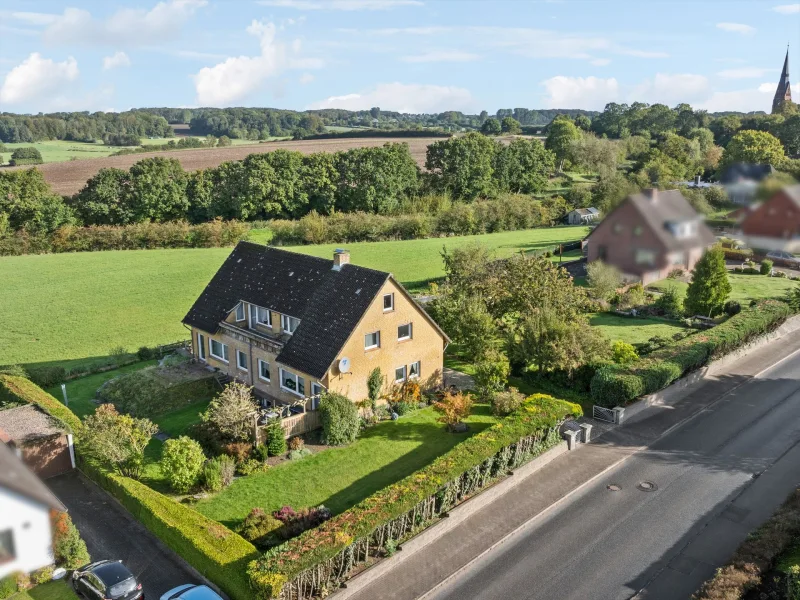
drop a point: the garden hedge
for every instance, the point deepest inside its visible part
(322, 558)
(615, 385)
(14, 388)
(211, 548)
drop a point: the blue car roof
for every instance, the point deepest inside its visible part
(192, 592)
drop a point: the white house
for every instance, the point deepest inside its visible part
(26, 538)
(583, 216)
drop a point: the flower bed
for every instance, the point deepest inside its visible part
(618, 386)
(320, 559)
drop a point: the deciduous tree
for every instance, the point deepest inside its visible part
(231, 412)
(117, 441)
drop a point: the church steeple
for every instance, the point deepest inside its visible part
(784, 92)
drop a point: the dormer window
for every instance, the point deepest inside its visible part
(289, 324)
(260, 316)
(240, 312)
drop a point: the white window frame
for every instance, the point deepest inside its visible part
(286, 322)
(405, 374)
(378, 338)
(419, 369)
(224, 350)
(391, 298)
(268, 322)
(260, 376)
(297, 379)
(201, 346)
(410, 332)
(239, 366)
(239, 308)
(316, 391)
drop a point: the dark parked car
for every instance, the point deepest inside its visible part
(106, 580)
(190, 591)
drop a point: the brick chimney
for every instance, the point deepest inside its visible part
(340, 258)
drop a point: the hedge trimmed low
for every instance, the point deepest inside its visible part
(322, 557)
(14, 388)
(614, 385)
(211, 548)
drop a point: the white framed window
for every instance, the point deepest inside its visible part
(263, 370)
(218, 350)
(388, 302)
(240, 312)
(201, 346)
(413, 370)
(404, 332)
(372, 340)
(293, 383)
(263, 316)
(316, 390)
(241, 360)
(400, 374)
(289, 324)
(644, 256)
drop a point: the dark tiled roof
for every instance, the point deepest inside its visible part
(587, 211)
(671, 207)
(15, 476)
(739, 171)
(328, 303)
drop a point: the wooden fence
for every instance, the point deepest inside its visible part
(302, 423)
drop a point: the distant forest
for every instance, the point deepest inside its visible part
(257, 123)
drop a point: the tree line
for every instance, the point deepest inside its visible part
(81, 126)
(279, 184)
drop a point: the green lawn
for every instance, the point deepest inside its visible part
(81, 391)
(52, 590)
(633, 331)
(341, 477)
(87, 303)
(743, 287)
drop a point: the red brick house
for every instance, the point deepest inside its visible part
(775, 224)
(649, 234)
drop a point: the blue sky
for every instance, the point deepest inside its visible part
(406, 55)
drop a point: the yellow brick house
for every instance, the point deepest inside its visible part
(292, 326)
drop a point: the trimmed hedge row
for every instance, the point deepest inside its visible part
(614, 385)
(321, 558)
(214, 550)
(14, 388)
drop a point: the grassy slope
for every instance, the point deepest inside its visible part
(630, 330)
(52, 590)
(744, 287)
(70, 307)
(341, 477)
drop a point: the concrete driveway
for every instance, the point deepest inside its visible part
(111, 532)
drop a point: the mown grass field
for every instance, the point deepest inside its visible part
(52, 590)
(632, 331)
(69, 308)
(744, 288)
(341, 477)
(54, 151)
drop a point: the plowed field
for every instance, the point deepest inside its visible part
(68, 178)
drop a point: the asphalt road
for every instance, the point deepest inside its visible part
(716, 478)
(111, 533)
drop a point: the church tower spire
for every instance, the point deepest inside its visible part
(784, 92)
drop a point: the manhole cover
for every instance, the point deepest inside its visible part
(613, 487)
(647, 486)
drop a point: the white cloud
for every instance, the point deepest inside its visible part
(118, 59)
(787, 9)
(737, 28)
(641, 53)
(600, 62)
(440, 56)
(238, 76)
(409, 98)
(672, 89)
(36, 78)
(306, 78)
(339, 4)
(127, 26)
(34, 18)
(580, 92)
(744, 73)
(194, 55)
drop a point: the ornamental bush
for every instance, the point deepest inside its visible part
(276, 439)
(506, 402)
(69, 549)
(340, 422)
(182, 461)
(616, 385)
(8, 586)
(766, 267)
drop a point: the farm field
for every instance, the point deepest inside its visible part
(69, 177)
(744, 287)
(341, 477)
(56, 151)
(96, 301)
